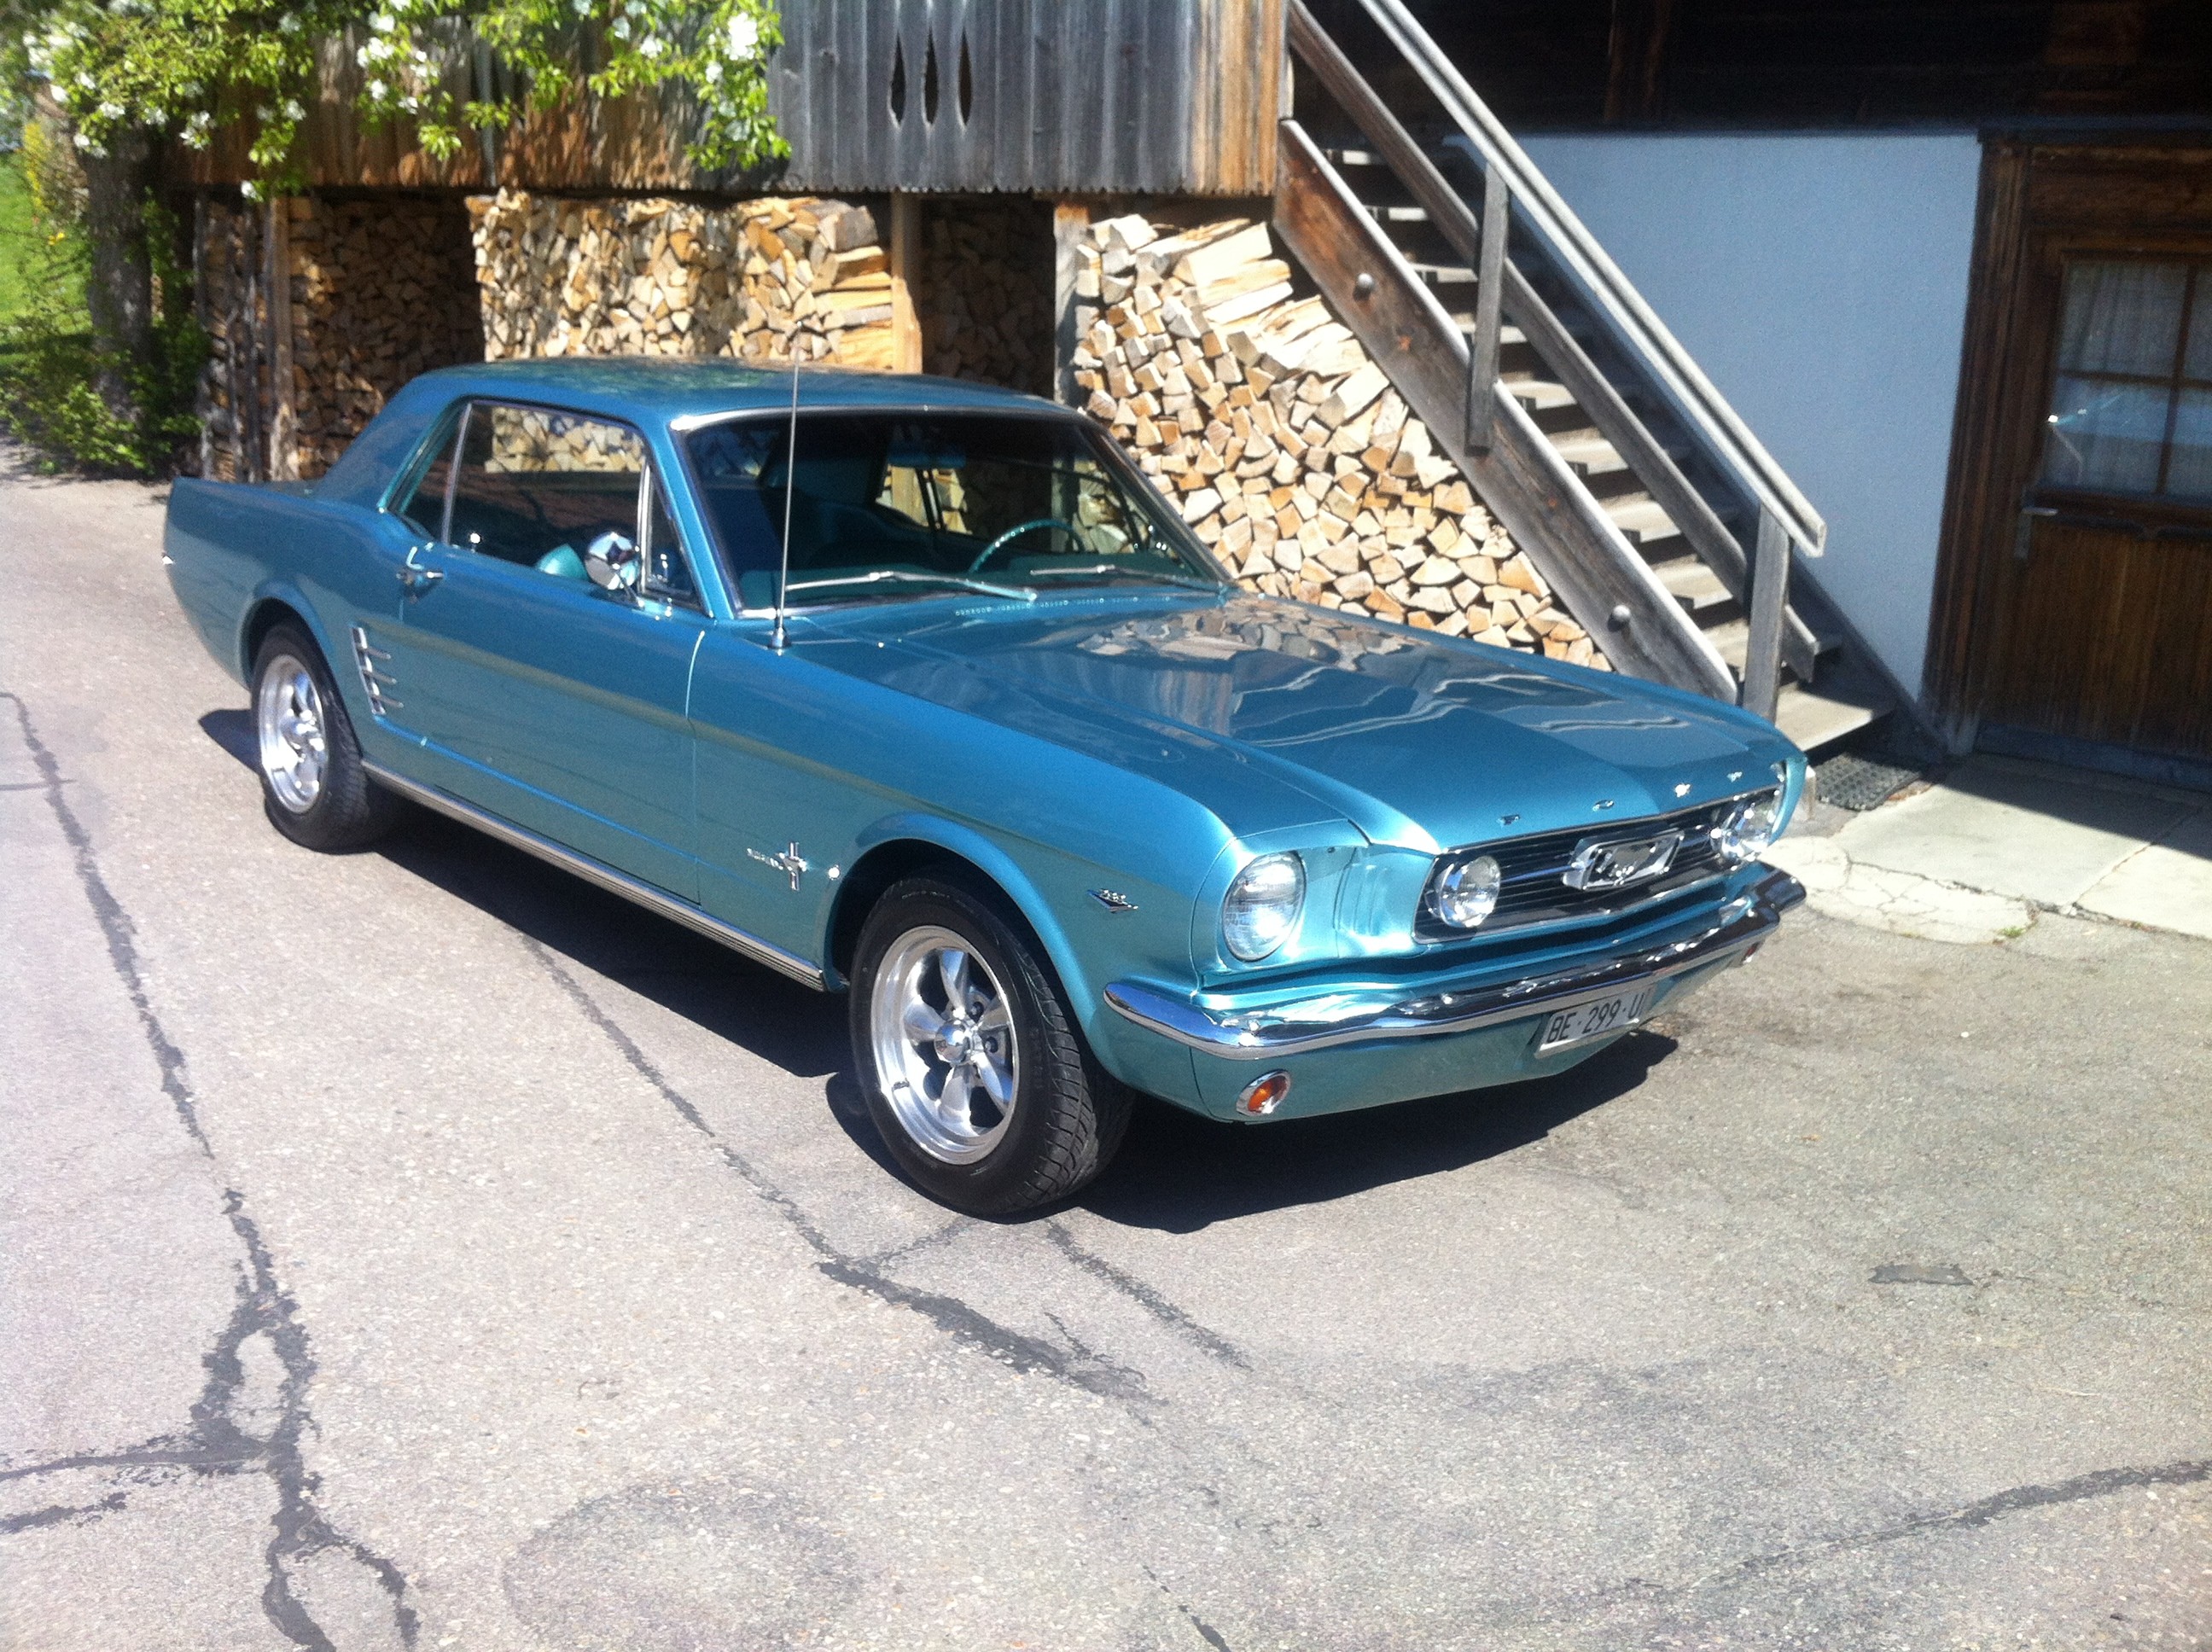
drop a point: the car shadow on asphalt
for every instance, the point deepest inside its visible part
(777, 1019)
(1177, 1171)
(233, 730)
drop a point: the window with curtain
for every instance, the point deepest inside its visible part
(2131, 409)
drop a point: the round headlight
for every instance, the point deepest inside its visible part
(1467, 893)
(1747, 831)
(1261, 908)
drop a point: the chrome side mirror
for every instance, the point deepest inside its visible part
(612, 564)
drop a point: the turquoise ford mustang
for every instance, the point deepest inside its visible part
(1003, 755)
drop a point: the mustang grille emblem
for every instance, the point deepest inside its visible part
(1615, 863)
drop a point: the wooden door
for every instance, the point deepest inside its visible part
(2074, 605)
(2107, 631)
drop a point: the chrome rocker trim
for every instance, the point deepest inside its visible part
(595, 872)
(1335, 1019)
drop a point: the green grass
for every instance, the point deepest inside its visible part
(19, 240)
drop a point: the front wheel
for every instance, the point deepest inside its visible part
(313, 783)
(974, 1067)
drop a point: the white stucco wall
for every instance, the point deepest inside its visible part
(1820, 281)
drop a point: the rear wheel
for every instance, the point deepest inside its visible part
(972, 1064)
(313, 784)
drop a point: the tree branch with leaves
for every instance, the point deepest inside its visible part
(131, 76)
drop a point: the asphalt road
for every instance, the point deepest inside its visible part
(419, 1248)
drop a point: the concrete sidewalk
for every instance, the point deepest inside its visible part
(1977, 856)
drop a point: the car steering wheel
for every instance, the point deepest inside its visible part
(1016, 531)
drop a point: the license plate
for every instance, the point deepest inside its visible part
(1595, 1019)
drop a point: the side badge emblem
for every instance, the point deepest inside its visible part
(788, 862)
(1113, 900)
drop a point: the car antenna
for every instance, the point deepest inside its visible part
(790, 487)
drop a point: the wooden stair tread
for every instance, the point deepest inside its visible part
(1508, 334)
(1637, 516)
(1589, 454)
(1539, 394)
(1693, 585)
(1820, 716)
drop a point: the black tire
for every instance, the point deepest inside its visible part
(347, 811)
(1067, 1113)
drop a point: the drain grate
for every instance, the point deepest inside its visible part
(1850, 781)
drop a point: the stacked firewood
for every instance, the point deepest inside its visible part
(985, 296)
(381, 291)
(768, 280)
(1284, 444)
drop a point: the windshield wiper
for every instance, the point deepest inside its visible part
(1187, 582)
(879, 576)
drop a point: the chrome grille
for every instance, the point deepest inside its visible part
(1534, 869)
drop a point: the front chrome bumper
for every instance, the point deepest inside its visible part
(1321, 1023)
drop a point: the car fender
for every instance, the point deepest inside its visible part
(285, 589)
(994, 862)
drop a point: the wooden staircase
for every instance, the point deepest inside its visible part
(1660, 523)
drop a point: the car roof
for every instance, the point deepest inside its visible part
(644, 388)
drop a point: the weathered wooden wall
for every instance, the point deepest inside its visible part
(1175, 97)
(1165, 96)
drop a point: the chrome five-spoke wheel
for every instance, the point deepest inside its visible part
(945, 1047)
(973, 1066)
(289, 717)
(313, 784)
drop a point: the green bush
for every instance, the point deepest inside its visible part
(50, 370)
(49, 375)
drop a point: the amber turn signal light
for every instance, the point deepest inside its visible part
(1263, 1094)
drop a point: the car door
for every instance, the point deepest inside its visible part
(537, 695)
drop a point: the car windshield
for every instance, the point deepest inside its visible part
(899, 505)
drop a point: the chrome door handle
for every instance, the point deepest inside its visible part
(415, 579)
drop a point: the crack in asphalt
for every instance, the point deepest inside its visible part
(1176, 1318)
(1206, 1632)
(56, 1514)
(2100, 1483)
(216, 1443)
(1077, 1366)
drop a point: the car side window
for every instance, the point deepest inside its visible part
(667, 565)
(536, 486)
(424, 508)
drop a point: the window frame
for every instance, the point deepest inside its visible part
(2196, 278)
(451, 437)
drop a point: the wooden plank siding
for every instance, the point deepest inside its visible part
(1067, 97)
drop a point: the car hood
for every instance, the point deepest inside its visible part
(1265, 709)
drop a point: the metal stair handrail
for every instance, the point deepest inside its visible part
(1604, 285)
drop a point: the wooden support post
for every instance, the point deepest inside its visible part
(1769, 591)
(1489, 301)
(203, 398)
(1070, 219)
(283, 418)
(250, 350)
(906, 270)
